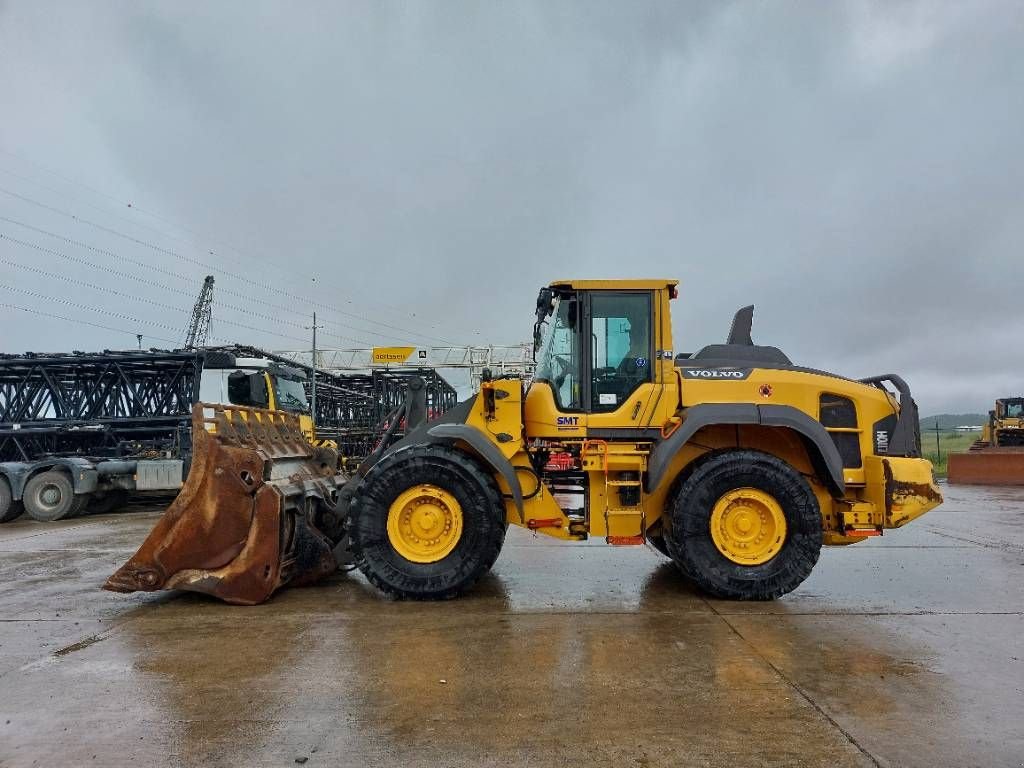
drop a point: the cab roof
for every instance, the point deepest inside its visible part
(614, 285)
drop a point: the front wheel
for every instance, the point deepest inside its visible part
(745, 526)
(427, 523)
(658, 543)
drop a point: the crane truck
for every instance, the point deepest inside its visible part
(79, 432)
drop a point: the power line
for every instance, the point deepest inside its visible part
(103, 211)
(138, 279)
(95, 249)
(80, 322)
(136, 208)
(196, 262)
(109, 313)
(132, 297)
(183, 228)
(144, 265)
(88, 308)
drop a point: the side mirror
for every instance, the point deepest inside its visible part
(545, 306)
(545, 303)
(258, 390)
(248, 389)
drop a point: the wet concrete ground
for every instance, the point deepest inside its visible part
(905, 650)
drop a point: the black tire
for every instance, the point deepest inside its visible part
(657, 541)
(9, 508)
(483, 523)
(51, 496)
(694, 551)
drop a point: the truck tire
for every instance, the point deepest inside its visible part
(51, 496)
(745, 526)
(427, 523)
(9, 508)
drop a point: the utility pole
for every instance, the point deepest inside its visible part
(139, 337)
(313, 387)
(938, 450)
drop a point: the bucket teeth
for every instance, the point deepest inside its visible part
(259, 511)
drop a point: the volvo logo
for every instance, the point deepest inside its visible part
(716, 373)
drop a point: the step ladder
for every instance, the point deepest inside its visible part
(624, 522)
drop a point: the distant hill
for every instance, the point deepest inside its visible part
(953, 420)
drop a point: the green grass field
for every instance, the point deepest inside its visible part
(949, 442)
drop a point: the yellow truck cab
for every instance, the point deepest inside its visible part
(255, 382)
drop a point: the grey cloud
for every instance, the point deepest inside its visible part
(854, 169)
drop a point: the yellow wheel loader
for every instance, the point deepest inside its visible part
(733, 462)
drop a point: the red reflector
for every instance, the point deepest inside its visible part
(622, 541)
(863, 532)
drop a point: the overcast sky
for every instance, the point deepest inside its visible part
(420, 169)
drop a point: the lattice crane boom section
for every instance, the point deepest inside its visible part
(119, 403)
(202, 313)
(94, 403)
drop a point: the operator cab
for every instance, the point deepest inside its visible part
(594, 347)
(1010, 408)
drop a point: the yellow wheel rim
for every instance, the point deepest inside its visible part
(748, 526)
(424, 524)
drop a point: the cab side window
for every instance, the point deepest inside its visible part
(620, 347)
(559, 359)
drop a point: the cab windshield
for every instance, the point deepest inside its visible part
(290, 395)
(1013, 409)
(558, 357)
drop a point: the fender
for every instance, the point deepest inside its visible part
(82, 471)
(487, 451)
(787, 416)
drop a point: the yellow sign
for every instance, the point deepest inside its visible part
(385, 355)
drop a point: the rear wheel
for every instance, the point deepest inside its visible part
(427, 523)
(51, 496)
(9, 508)
(745, 525)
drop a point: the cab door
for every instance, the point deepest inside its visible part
(620, 384)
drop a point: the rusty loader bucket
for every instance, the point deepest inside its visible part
(259, 511)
